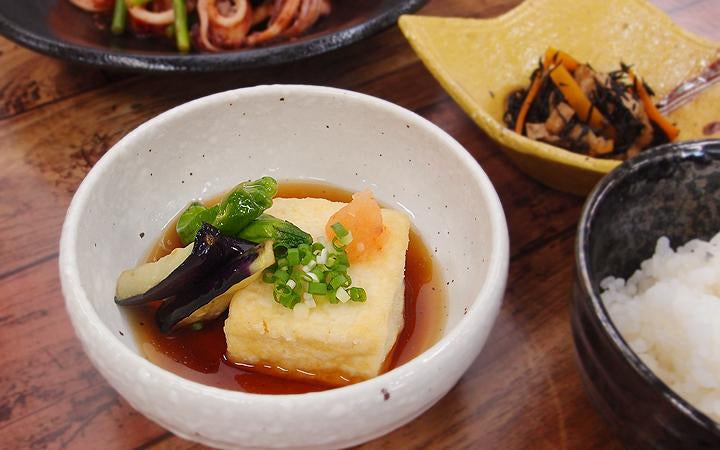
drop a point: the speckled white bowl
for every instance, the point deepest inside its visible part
(290, 132)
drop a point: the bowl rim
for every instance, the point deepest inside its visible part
(134, 61)
(670, 151)
(491, 292)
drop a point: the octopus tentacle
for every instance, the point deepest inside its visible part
(285, 12)
(94, 5)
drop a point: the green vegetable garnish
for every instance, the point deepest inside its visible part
(119, 18)
(312, 270)
(357, 294)
(281, 232)
(182, 37)
(284, 295)
(245, 203)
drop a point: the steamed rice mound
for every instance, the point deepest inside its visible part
(669, 313)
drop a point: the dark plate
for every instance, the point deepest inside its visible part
(672, 191)
(57, 28)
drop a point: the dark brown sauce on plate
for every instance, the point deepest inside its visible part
(199, 355)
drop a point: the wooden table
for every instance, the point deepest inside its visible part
(57, 119)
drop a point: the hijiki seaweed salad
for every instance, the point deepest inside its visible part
(308, 284)
(573, 106)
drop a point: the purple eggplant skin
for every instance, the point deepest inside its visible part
(210, 250)
(204, 290)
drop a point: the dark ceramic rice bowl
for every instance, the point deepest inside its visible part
(674, 191)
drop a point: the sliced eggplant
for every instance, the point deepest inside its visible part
(172, 274)
(209, 296)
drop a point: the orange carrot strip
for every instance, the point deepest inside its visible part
(576, 98)
(553, 57)
(653, 113)
(532, 93)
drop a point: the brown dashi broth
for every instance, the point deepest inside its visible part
(199, 355)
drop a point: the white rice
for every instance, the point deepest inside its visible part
(669, 313)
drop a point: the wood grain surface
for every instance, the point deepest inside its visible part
(57, 119)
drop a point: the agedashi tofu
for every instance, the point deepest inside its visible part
(336, 343)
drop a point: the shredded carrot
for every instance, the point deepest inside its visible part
(576, 98)
(653, 113)
(553, 57)
(532, 93)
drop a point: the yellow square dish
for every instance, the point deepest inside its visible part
(479, 61)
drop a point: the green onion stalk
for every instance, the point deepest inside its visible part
(119, 18)
(182, 37)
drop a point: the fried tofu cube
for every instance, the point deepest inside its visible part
(336, 343)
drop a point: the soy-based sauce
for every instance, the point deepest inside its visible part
(199, 355)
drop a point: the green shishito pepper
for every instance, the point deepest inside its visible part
(282, 232)
(245, 203)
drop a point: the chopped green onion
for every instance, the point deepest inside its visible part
(119, 19)
(267, 275)
(342, 295)
(285, 296)
(293, 257)
(339, 281)
(307, 259)
(299, 275)
(331, 260)
(182, 37)
(339, 229)
(319, 270)
(357, 294)
(313, 276)
(343, 235)
(342, 258)
(281, 276)
(322, 258)
(346, 240)
(337, 245)
(197, 326)
(317, 288)
(280, 251)
(310, 265)
(306, 272)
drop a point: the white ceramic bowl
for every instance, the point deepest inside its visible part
(347, 139)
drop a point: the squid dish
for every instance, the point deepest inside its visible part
(211, 25)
